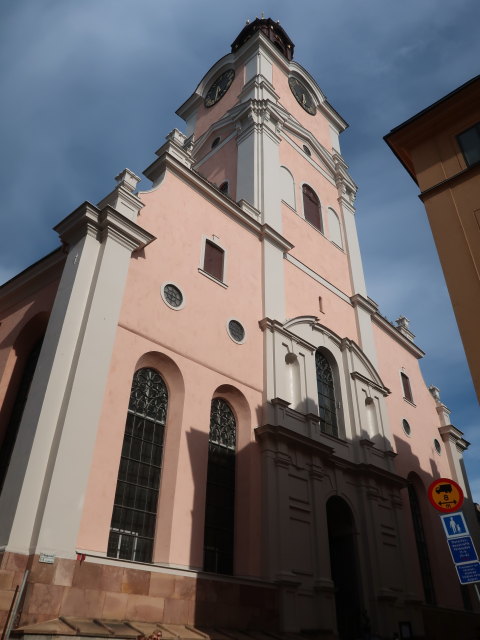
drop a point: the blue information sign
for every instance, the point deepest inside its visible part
(469, 572)
(462, 549)
(454, 524)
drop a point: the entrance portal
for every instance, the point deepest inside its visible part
(344, 566)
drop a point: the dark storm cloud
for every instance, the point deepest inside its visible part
(91, 87)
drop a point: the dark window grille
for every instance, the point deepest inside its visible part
(422, 547)
(236, 330)
(8, 444)
(213, 260)
(220, 495)
(173, 295)
(135, 507)
(326, 396)
(407, 390)
(311, 207)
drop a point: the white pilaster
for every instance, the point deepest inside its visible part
(51, 461)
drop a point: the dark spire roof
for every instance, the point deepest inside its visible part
(272, 30)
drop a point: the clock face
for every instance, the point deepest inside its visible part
(302, 95)
(219, 88)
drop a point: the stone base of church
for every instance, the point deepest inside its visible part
(95, 590)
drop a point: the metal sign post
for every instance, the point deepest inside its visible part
(447, 496)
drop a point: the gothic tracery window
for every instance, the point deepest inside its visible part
(135, 508)
(326, 395)
(220, 495)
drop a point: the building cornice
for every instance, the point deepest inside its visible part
(450, 433)
(393, 332)
(242, 212)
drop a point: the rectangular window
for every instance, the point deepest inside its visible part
(407, 391)
(213, 260)
(469, 142)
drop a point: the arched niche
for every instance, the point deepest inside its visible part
(287, 187)
(334, 228)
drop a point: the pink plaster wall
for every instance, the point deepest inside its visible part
(222, 165)
(301, 298)
(316, 251)
(416, 453)
(201, 358)
(23, 315)
(317, 124)
(206, 117)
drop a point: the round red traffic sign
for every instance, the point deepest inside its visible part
(445, 495)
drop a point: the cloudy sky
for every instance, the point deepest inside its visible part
(89, 87)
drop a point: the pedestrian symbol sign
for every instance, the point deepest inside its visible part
(454, 524)
(445, 495)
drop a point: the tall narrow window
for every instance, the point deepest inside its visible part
(220, 496)
(311, 207)
(422, 546)
(469, 142)
(213, 260)
(326, 395)
(8, 443)
(135, 508)
(407, 390)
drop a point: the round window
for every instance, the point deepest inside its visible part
(307, 150)
(438, 446)
(406, 427)
(216, 142)
(172, 296)
(236, 331)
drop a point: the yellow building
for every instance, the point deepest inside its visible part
(440, 148)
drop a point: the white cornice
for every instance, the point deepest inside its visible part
(242, 212)
(394, 333)
(452, 434)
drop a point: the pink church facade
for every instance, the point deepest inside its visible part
(221, 431)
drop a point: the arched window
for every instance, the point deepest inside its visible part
(326, 395)
(422, 545)
(135, 507)
(220, 496)
(8, 442)
(311, 207)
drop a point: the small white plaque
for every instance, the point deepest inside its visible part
(47, 558)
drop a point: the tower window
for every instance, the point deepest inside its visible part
(213, 260)
(311, 207)
(220, 495)
(326, 395)
(407, 391)
(135, 507)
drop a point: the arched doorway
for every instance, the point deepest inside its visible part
(344, 568)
